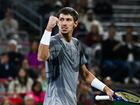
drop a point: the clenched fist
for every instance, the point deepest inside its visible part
(51, 23)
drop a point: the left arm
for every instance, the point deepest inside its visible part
(91, 79)
(86, 74)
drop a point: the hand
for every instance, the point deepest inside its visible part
(109, 92)
(51, 23)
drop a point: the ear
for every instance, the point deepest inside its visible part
(75, 24)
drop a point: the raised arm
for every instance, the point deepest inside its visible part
(43, 50)
(91, 79)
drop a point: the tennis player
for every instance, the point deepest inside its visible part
(65, 60)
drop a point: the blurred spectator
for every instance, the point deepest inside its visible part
(80, 31)
(85, 94)
(21, 84)
(32, 57)
(29, 100)
(81, 11)
(104, 9)
(58, 5)
(42, 78)
(93, 41)
(130, 32)
(37, 93)
(111, 58)
(137, 60)
(7, 69)
(2, 87)
(93, 36)
(109, 44)
(8, 26)
(66, 3)
(46, 8)
(15, 99)
(90, 19)
(15, 57)
(31, 72)
(6, 101)
(3, 5)
(130, 44)
(129, 37)
(83, 4)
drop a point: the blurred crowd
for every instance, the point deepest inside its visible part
(112, 56)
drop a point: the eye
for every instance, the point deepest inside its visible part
(61, 19)
(68, 19)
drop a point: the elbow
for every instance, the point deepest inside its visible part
(89, 78)
(39, 59)
(42, 57)
(42, 53)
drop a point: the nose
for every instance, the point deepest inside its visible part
(64, 22)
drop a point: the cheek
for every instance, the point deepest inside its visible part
(71, 26)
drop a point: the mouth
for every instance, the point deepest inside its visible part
(64, 29)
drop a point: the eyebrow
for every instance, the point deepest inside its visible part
(65, 18)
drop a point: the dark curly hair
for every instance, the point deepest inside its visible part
(70, 11)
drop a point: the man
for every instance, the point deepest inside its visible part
(7, 69)
(8, 25)
(65, 60)
(114, 56)
(15, 57)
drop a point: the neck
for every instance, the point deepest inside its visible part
(67, 36)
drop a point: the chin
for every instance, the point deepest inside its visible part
(64, 33)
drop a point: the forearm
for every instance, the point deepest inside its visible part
(43, 50)
(96, 83)
(91, 79)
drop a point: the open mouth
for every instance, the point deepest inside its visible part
(64, 29)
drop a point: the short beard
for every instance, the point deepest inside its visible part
(64, 34)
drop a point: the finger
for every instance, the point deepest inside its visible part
(56, 20)
(111, 98)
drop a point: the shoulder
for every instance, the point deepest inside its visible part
(76, 41)
(14, 82)
(14, 21)
(30, 80)
(1, 23)
(54, 41)
(54, 38)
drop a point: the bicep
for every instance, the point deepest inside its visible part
(86, 74)
(84, 70)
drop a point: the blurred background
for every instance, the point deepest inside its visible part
(109, 31)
